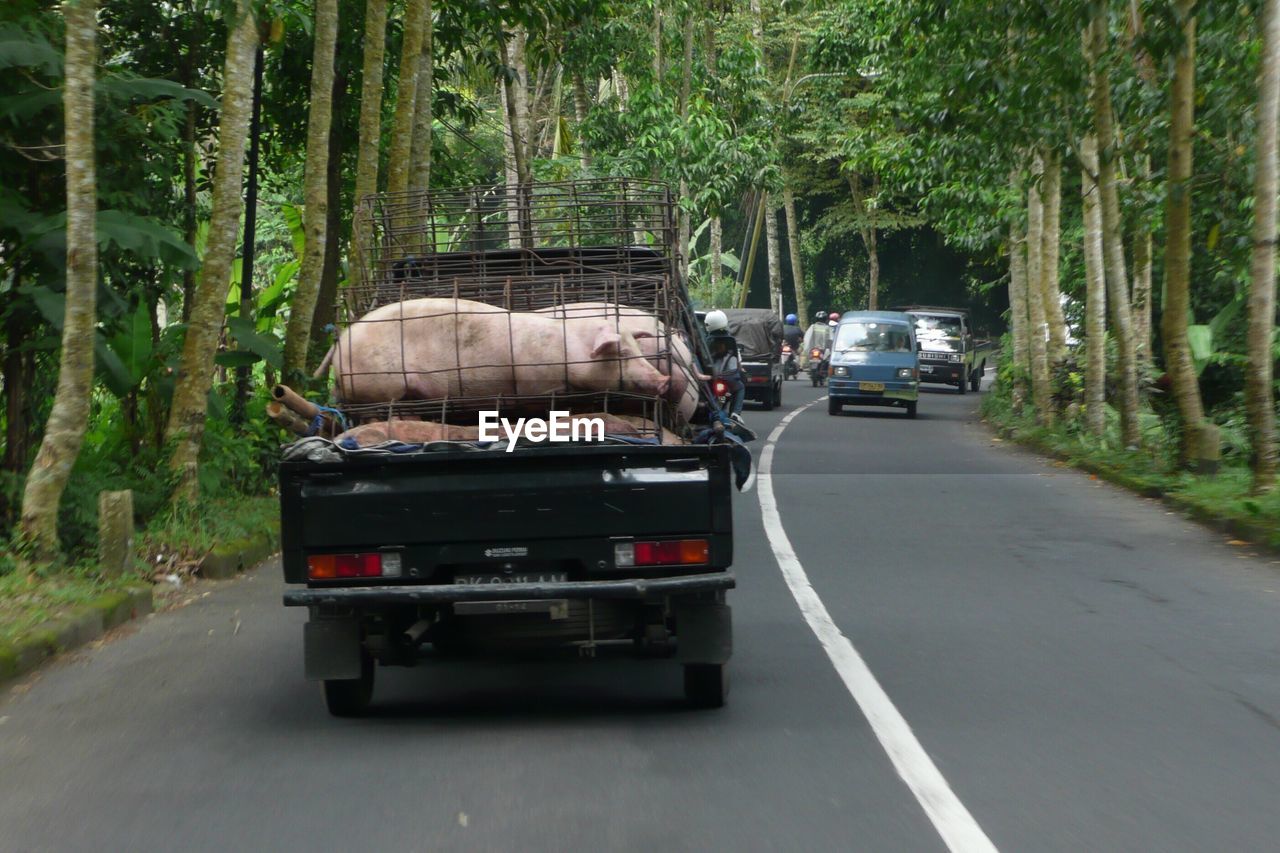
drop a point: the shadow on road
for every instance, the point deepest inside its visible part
(514, 693)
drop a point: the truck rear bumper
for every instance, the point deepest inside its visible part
(629, 588)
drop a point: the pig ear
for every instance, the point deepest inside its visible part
(608, 343)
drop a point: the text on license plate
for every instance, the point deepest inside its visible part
(517, 577)
(870, 386)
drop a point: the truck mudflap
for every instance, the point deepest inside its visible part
(629, 588)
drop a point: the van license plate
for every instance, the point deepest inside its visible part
(518, 577)
(870, 386)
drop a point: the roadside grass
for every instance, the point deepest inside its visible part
(1221, 499)
(178, 537)
(27, 601)
(174, 542)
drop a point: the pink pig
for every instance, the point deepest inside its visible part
(668, 352)
(432, 348)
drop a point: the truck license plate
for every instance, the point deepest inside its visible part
(518, 577)
(870, 386)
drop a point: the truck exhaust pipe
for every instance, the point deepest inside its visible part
(414, 634)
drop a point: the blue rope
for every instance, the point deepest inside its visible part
(317, 423)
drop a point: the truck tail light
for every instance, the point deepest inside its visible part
(673, 552)
(369, 565)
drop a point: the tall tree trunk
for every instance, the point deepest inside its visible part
(1142, 266)
(717, 238)
(793, 248)
(248, 251)
(1113, 227)
(657, 43)
(1258, 394)
(515, 111)
(520, 100)
(375, 49)
(1018, 317)
(327, 299)
(424, 112)
(510, 172)
(870, 239)
(774, 252)
(749, 262)
(1177, 263)
(315, 215)
(401, 146)
(686, 84)
(1141, 239)
(17, 362)
(1095, 329)
(1041, 393)
(1050, 251)
(190, 394)
(189, 223)
(69, 418)
(581, 107)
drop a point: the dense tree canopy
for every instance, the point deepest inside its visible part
(1063, 159)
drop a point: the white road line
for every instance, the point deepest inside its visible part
(959, 831)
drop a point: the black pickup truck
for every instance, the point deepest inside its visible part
(509, 552)
(458, 548)
(948, 350)
(758, 332)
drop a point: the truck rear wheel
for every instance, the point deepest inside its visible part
(350, 697)
(767, 400)
(706, 684)
(975, 383)
(964, 381)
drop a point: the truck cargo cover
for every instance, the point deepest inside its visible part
(758, 332)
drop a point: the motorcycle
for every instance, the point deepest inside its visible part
(817, 367)
(724, 400)
(790, 368)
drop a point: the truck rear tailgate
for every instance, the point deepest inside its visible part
(440, 503)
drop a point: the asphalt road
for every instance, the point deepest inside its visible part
(1086, 671)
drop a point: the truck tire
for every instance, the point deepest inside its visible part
(777, 395)
(706, 684)
(766, 401)
(350, 697)
(834, 406)
(975, 383)
(911, 409)
(964, 382)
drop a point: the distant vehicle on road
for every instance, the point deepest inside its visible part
(873, 362)
(948, 351)
(758, 332)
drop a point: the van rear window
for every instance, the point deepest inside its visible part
(873, 336)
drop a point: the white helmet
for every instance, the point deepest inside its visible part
(716, 321)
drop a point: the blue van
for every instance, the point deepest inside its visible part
(873, 362)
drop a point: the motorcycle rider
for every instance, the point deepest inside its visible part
(819, 334)
(724, 354)
(793, 335)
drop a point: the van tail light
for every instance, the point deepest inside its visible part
(673, 552)
(369, 565)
